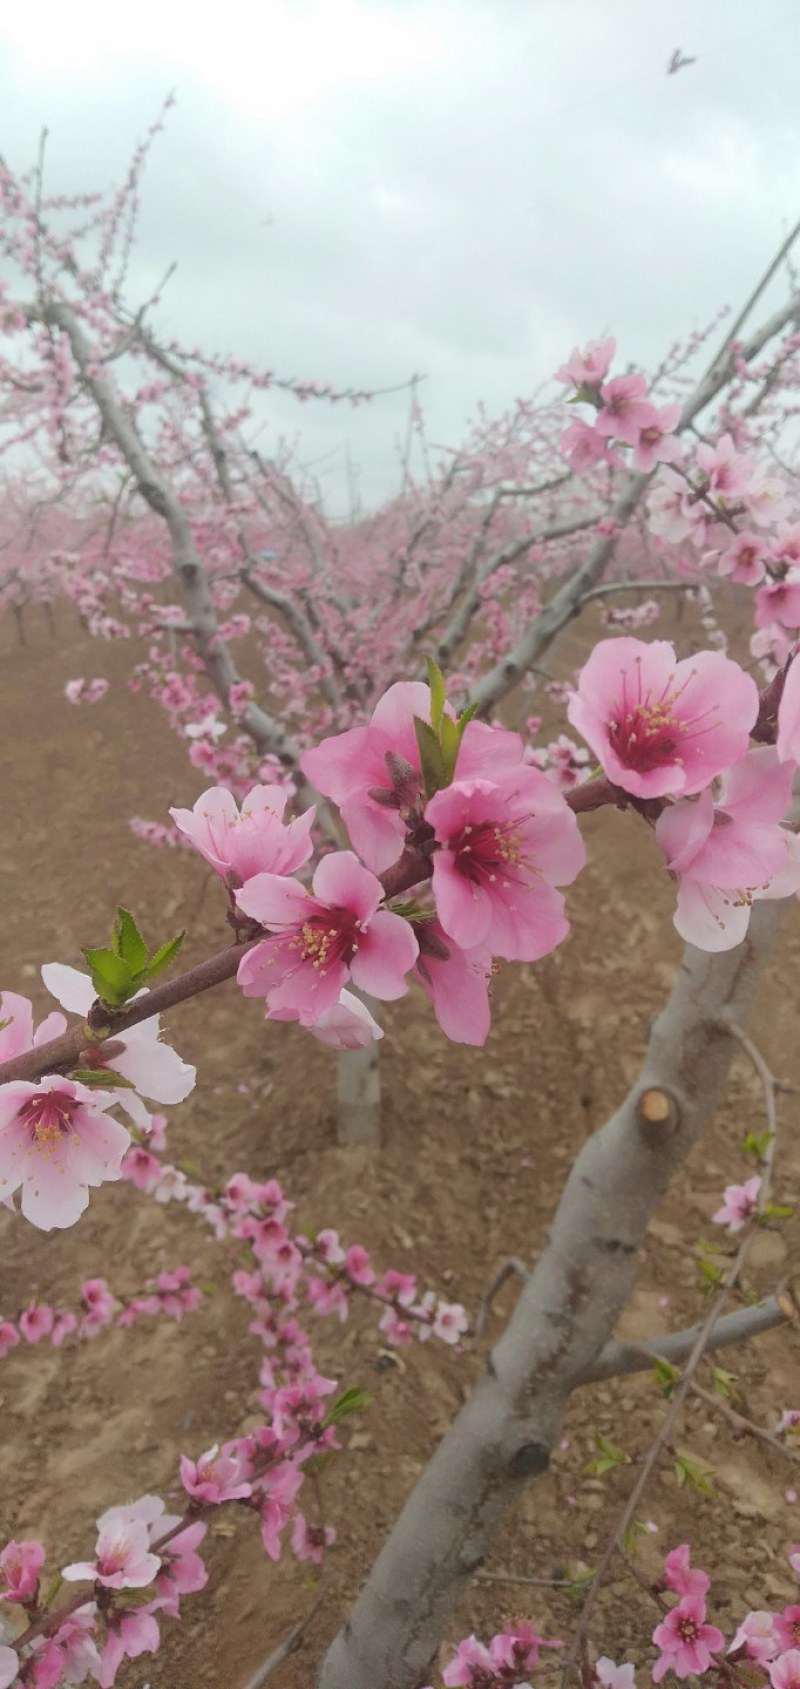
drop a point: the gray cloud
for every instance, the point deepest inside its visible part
(534, 179)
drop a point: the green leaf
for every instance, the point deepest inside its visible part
(128, 942)
(775, 1211)
(634, 1529)
(667, 1376)
(161, 958)
(724, 1383)
(431, 761)
(101, 1079)
(111, 977)
(436, 684)
(190, 1168)
(756, 1144)
(607, 1458)
(350, 1401)
(450, 741)
(694, 1475)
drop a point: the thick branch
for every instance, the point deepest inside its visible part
(562, 1320)
(616, 1360)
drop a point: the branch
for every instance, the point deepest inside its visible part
(286, 1647)
(617, 1360)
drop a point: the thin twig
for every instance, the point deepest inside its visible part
(286, 1647)
(744, 1425)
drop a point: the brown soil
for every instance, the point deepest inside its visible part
(477, 1146)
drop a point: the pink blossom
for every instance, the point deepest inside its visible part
(55, 1141)
(671, 514)
(450, 1322)
(518, 1650)
(740, 1202)
(358, 1265)
(324, 939)
(122, 1558)
(457, 982)
(787, 1629)
(744, 559)
(505, 846)
(142, 1168)
(36, 1322)
(681, 1576)
(153, 1068)
(613, 1676)
(583, 447)
(658, 725)
(626, 409)
(9, 1666)
(64, 1325)
(239, 844)
(470, 1657)
(219, 1475)
(20, 1565)
(727, 472)
(779, 601)
(756, 1635)
(129, 1635)
(85, 691)
(348, 1025)
(657, 442)
(16, 1026)
(9, 1337)
(686, 1641)
(309, 1542)
(732, 851)
(589, 367)
(789, 1421)
(372, 773)
(785, 1671)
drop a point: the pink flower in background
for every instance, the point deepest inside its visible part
(9, 1337)
(9, 1666)
(153, 1068)
(372, 773)
(129, 1636)
(56, 1140)
(456, 981)
(309, 1542)
(505, 845)
(740, 1202)
(221, 1474)
(756, 1635)
(731, 852)
(323, 939)
(254, 840)
(450, 1322)
(85, 691)
(16, 1026)
(470, 1657)
(626, 409)
(671, 514)
(727, 472)
(122, 1556)
(779, 601)
(348, 1025)
(20, 1565)
(657, 442)
(518, 1649)
(785, 1671)
(583, 446)
(787, 1629)
(682, 1576)
(589, 367)
(36, 1322)
(686, 1641)
(657, 725)
(613, 1676)
(744, 559)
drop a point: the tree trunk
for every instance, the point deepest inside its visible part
(563, 1318)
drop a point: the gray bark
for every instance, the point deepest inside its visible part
(563, 1319)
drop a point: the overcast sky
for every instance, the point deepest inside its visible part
(359, 190)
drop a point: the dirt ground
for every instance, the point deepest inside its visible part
(477, 1146)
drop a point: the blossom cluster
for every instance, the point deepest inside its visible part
(625, 414)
